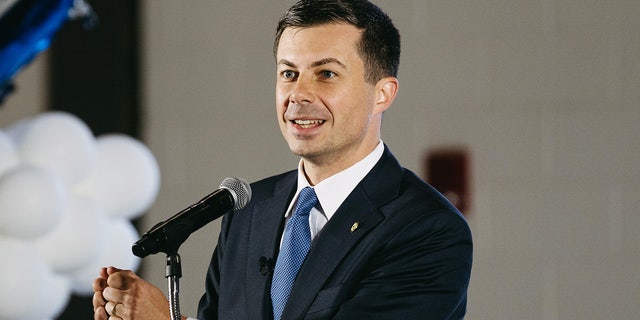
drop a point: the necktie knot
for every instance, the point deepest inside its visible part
(306, 201)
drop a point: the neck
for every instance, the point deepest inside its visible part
(317, 169)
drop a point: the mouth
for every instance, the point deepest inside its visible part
(306, 124)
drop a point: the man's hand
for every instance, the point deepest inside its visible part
(121, 294)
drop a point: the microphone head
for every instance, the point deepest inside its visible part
(240, 190)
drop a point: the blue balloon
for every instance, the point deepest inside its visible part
(26, 29)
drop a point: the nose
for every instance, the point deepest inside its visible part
(302, 92)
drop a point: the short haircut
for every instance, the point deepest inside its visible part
(379, 46)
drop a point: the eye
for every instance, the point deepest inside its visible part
(327, 74)
(288, 74)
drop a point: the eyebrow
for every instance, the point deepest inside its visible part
(315, 63)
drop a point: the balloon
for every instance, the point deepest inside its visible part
(125, 178)
(51, 299)
(121, 235)
(8, 154)
(65, 201)
(60, 142)
(77, 239)
(27, 281)
(32, 202)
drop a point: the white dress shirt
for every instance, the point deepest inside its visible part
(334, 190)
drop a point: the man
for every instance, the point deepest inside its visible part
(385, 245)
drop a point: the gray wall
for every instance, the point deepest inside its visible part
(544, 93)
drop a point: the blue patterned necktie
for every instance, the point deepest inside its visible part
(295, 246)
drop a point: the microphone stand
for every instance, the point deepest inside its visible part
(173, 275)
(175, 236)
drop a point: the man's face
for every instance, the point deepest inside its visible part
(326, 110)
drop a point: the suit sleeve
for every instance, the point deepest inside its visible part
(422, 273)
(208, 305)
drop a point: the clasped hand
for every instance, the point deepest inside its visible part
(122, 295)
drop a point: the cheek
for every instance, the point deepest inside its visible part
(280, 110)
(280, 106)
(354, 119)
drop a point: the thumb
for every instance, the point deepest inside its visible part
(111, 270)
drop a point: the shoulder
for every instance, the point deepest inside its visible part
(408, 203)
(424, 203)
(421, 218)
(421, 193)
(389, 184)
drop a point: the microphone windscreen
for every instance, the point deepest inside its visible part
(240, 189)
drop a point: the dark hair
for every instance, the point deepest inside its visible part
(379, 46)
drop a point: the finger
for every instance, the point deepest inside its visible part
(100, 314)
(99, 284)
(98, 300)
(103, 273)
(117, 280)
(110, 308)
(111, 270)
(115, 310)
(119, 311)
(113, 295)
(122, 279)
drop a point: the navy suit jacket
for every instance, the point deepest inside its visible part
(409, 257)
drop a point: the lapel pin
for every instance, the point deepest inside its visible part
(355, 226)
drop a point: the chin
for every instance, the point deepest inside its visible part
(297, 151)
(305, 148)
(300, 150)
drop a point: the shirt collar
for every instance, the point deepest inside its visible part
(334, 190)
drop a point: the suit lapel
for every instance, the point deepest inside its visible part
(264, 239)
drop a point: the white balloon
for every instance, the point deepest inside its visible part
(125, 178)
(58, 298)
(59, 142)
(77, 239)
(113, 178)
(52, 302)
(32, 202)
(8, 154)
(25, 276)
(120, 237)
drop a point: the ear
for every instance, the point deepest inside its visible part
(386, 91)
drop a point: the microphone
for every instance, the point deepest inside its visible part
(167, 236)
(266, 266)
